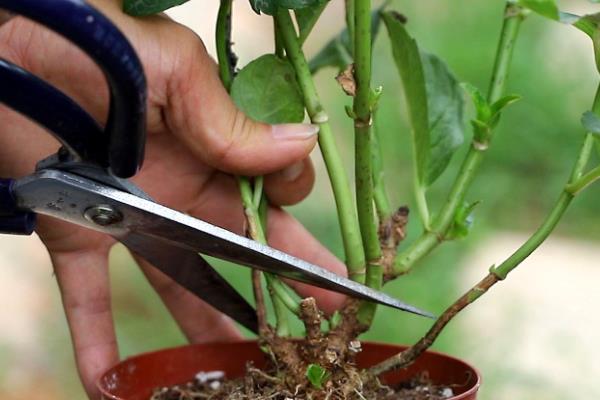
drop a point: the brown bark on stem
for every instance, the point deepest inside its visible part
(391, 232)
(408, 356)
(259, 297)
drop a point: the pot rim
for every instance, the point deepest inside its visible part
(110, 396)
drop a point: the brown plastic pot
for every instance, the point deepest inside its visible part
(136, 377)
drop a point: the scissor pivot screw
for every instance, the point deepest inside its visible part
(103, 215)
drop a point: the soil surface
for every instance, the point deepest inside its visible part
(259, 385)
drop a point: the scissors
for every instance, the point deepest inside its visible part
(86, 184)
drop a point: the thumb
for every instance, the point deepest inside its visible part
(202, 114)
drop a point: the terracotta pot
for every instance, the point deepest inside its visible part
(136, 377)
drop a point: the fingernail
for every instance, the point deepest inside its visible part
(293, 172)
(294, 131)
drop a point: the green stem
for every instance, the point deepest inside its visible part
(223, 43)
(279, 296)
(283, 292)
(421, 202)
(349, 9)
(382, 202)
(363, 133)
(258, 192)
(408, 356)
(430, 239)
(586, 180)
(552, 219)
(251, 199)
(279, 50)
(355, 257)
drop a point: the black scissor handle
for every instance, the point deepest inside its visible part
(125, 131)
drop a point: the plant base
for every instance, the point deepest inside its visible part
(136, 378)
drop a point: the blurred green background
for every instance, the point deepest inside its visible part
(523, 173)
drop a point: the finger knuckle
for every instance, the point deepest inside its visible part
(223, 150)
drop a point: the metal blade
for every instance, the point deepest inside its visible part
(194, 273)
(71, 197)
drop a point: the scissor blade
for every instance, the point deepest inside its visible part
(194, 273)
(68, 197)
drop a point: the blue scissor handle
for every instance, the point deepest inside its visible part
(72, 126)
(83, 25)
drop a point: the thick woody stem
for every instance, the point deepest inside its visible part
(408, 356)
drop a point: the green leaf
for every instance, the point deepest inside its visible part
(487, 116)
(588, 24)
(307, 17)
(317, 375)
(500, 105)
(148, 7)
(435, 102)
(335, 319)
(546, 8)
(445, 107)
(270, 6)
(338, 51)
(266, 90)
(482, 107)
(591, 122)
(463, 221)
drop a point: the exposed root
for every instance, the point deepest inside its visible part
(347, 384)
(286, 379)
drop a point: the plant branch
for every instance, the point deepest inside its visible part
(442, 223)
(279, 296)
(227, 59)
(355, 257)
(259, 298)
(349, 9)
(279, 50)
(251, 198)
(405, 358)
(380, 196)
(586, 180)
(496, 274)
(363, 133)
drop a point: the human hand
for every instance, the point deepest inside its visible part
(196, 138)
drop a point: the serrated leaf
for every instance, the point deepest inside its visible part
(546, 8)
(463, 221)
(591, 122)
(317, 375)
(434, 99)
(266, 90)
(140, 8)
(270, 6)
(338, 51)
